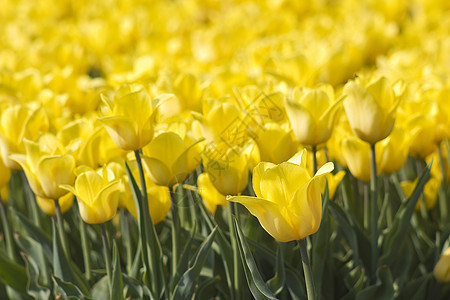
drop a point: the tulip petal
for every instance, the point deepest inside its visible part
(123, 132)
(302, 122)
(271, 216)
(31, 177)
(157, 171)
(53, 171)
(258, 171)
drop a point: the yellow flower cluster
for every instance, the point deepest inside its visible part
(226, 83)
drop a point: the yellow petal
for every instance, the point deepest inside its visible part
(210, 195)
(258, 171)
(123, 132)
(53, 171)
(271, 216)
(159, 202)
(158, 171)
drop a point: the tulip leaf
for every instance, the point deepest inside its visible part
(117, 281)
(258, 287)
(185, 288)
(68, 290)
(34, 250)
(183, 262)
(276, 283)
(34, 286)
(382, 290)
(395, 236)
(415, 289)
(34, 232)
(354, 281)
(12, 274)
(62, 267)
(100, 290)
(207, 289)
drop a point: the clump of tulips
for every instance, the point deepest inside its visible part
(225, 150)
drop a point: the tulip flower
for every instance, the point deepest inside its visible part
(165, 159)
(18, 123)
(430, 191)
(357, 157)
(130, 121)
(228, 168)
(442, 269)
(333, 182)
(288, 203)
(276, 143)
(210, 195)
(5, 174)
(392, 152)
(97, 195)
(312, 113)
(46, 166)
(371, 108)
(48, 205)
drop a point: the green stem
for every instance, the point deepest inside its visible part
(148, 259)
(423, 203)
(107, 255)
(443, 203)
(234, 247)
(85, 248)
(60, 222)
(314, 158)
(374, 210)
(31, 200)
(7, 232)
(175, 233)
(310, 289)
(127, 239)
(366, 206)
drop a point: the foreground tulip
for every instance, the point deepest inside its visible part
(130, 122)
(288, 203)
(371, 109)
(97, 195)
(312, 113)
(442, 269)
(46, 166)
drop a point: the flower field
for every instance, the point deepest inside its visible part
(189, 149)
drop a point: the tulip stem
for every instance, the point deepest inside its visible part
(234, 247)
(85, 248)
(107, 254)
(175, 233)
(310, 289)
(314, 159)
(127, 239)
(60, 222)
(7, 232)
(443, 203)
(374, 209)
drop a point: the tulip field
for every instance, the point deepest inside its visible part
(206, 149)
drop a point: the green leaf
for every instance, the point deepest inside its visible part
(354, 280)
(416, 289)
(34, 287)
(62, 267)
(276, 283)
(32, 248)
(395, 236)
(382, 290)
(185, 288)
(258, 287)
(100, 290)
(207, 289)
(36, 233)
(67, 290)
(117, 282)
(12, 274)
(183, 262)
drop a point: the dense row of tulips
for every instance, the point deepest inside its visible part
(221, 145)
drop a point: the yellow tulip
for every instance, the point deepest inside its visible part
(424, 140)
(46, 166)
(97, 195)
(371, 108)
(276, 143)
(48, 205)
(131, 117)
(210, 195)
(442, 269)
(288, 203)
(357, 157)
(333, 182)
(165, 159)
(392, 152)
(228, 168)
(5, 175)
(430, 191)
(312, 113)
(18, 123)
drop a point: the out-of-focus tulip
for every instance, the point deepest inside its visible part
(210, 195)
(312, 113)
(228, 168)
(19, 122)
(371, 108)
(48, 205)
(97, 195)
(46, 166)
(165, 159)
(276, 143)
(442, 269)
(423, 131)
(357, 157)
(430, 191)
(5, 174)
(131, 117)
(288, 203)
(392, 152)
(333, 182)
